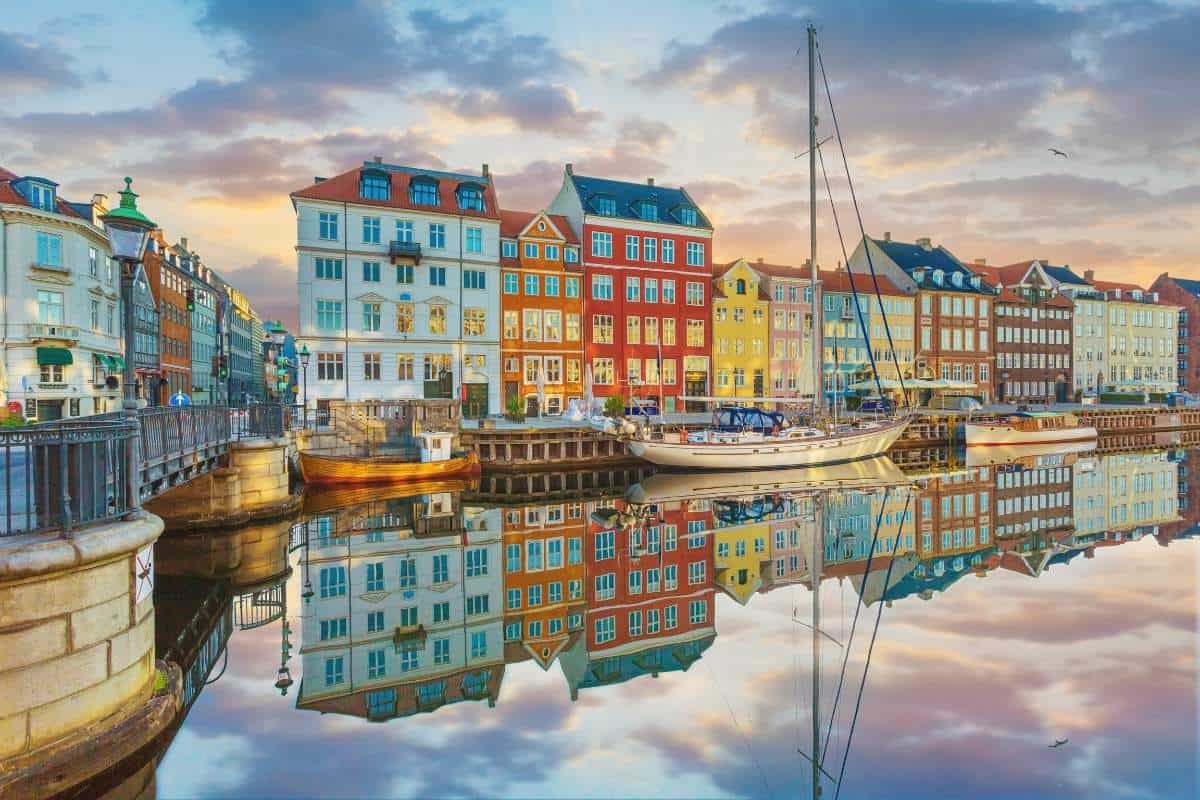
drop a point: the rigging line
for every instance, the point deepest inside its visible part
(862, 324)
(745, 742)
(858, 605)
(870, 650)
(861, 229)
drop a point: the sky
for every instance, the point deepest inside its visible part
(219, 108)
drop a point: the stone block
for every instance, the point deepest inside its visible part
(126, 648)
(41, 598)
(60, 717)
(48, 681)
(13, 733)
(99, 622)
(29, 644)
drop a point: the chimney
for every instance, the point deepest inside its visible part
(887, 236)
(981, 262)
(649, 181)
(759, 259)
(1088, 275)
(183, 242)
(570, 168)
(100, 201)
(378, 159)
(318, 179)
(486, 173)
(925, 242)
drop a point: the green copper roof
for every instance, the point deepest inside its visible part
(128, 210)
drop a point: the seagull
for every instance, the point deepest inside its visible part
(1057, 152)
(1058, 743)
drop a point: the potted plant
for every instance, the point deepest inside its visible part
(614, 406)
(515, 409)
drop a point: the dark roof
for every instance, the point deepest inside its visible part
(627, 195)
(9, 194)
(1187, 284)
(344, 188)
(1063, 275)
(912, 257)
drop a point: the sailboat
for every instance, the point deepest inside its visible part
(737, 446)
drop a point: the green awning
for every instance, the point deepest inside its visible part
(54, 356)
(115, 363)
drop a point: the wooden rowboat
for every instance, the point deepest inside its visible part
(352, 470)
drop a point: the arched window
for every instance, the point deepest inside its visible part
(470, 197)
(423, 192)
(375, 186)
(741, 286)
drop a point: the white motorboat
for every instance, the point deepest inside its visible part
(1029, 427)
(798, 446)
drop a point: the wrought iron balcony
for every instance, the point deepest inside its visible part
(59, 333)
(405, 252)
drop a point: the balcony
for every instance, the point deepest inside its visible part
(405, 252)
(41, 331)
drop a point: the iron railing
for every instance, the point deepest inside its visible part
(58, 476)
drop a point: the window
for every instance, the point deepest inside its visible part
(370, 271)
(404, 317)
(671, 617)
(333, 582)
(423, 192)
(551, 286)
(696, 572)
(329, 315)
(377, 663)
(695, 293)
(335, 671)
(635, 581)
(695, 332)
(441, 568)
(374, 622)
(95, 319)
(602, 244)
(437, 320)
(632, 247)
(93, 262)
(370, 232)
(532, 285)
(470, 198)
(633, 330)
(651, 330)
(50, 307)
(513, 600)
(512, 558)
(695, 254)
(479, 644)
(553, 325)
(633, 290)
(437, 235)
(532, 319)
(333, 628)
(372, 314)
(474, 279)
(330, 366)
(697, 612)
(474, 321)
(477, 563)
(508, 249)
(477, 604)
(327, 223)
(552, 252)
(605, 545)
(534, 594)
(602, 371)
(374, 187)
(408, 573)
(605, 630)
(328, 268)
(41, 196)
(602, 287)
(404, 274)
(531, 250)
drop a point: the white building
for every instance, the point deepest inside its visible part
(60, 314)
(399, 285)
(406, 611)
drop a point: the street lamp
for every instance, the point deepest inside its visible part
(304, 356)
(128, 232)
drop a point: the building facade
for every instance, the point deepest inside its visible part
(647, 253)
(542, 306)
(206, 387)
(171, 287)
(741, 331)
(1184, 293)
(147, 347)
(953, 316)
(851, 342)
(1143, 338)
(60, 313)
(280, 363)
(791, 341)
(398, 283)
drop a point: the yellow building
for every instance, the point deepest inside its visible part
(1142, 338)
(741, 555)
(740, 331)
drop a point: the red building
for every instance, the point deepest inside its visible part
(647, 259)
(1185, 293)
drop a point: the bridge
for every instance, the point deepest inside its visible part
(59, 476)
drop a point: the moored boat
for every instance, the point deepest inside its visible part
(1029, 427)
(436, 462)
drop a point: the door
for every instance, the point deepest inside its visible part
(476, 405)
(695, 385)
(760, 387)
(49, 410)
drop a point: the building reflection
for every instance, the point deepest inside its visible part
(417, 598)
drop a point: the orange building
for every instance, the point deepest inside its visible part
(542, 310)
(170, 286)
(543, 580)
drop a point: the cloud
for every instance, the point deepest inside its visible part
(647, 134)
(718, 190)
(271, 286)
(28, 66)
(530, 107)
(531, 187)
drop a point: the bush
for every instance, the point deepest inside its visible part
(515, 408)
(614, 406)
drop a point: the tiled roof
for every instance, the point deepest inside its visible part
(911, 257)
(1058, 301)
(1190, 286)
(9, 194)
(1108, 286)
(513, 222)
(1064, 275)
(839, 281)
(1009, 296)
(627, 194)
(780, 270)
(1009, 275)
(344, 188)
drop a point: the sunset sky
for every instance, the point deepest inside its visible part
(219, 109)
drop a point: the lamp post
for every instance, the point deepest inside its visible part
(304, 356)
(128, 232)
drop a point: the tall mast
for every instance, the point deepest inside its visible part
(815, 568)
(817, 348)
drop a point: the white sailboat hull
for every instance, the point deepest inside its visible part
(772, 453)
(997, 434)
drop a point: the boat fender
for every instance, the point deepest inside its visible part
(683, 436)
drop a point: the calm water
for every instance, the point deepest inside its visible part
(659, 643)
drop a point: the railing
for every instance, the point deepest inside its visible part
(42, 330)
(398, 249)
(258, 420)
(59, 476)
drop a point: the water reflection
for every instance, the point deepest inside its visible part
(422, 600)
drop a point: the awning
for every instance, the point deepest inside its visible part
(54, 356)
(116, 363)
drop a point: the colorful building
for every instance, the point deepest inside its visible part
(171, 287)
(647, 254)
(1143, 338)
(206, 386)
(850, 342)
(541, 340)
(741, 557)
(790, 313)
(741, 331)
(953, 316)
(1185, 293)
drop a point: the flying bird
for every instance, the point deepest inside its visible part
(1058, 743)
(1057, 152)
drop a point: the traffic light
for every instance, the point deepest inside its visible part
(224, 367)
(191, 299)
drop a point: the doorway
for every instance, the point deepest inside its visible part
(476, 404)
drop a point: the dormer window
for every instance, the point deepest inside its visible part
(937, 276)
(741, 286)
(375, 186)
(648, 210)
(470, 197)
(424, 192)
(41, 196)
(956, 279)
(687, 215)
(605, 206)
